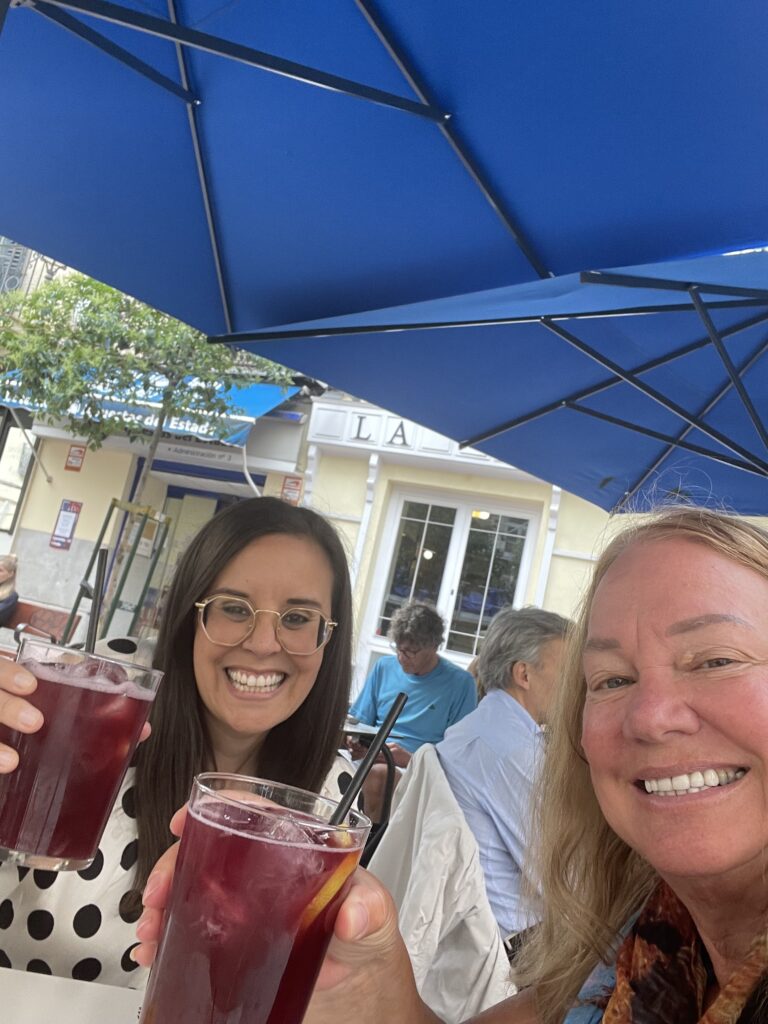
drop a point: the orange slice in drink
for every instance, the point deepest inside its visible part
(330, 889)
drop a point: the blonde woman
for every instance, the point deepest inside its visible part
(652, 826)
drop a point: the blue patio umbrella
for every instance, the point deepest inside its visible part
(242, 164)
(626, 387)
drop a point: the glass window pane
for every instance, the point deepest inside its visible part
(442, 514)
(415, 510)
(488, 577)
(463, 642)
(429, 575)
(14, 463)
(418, 563)
(402, 572)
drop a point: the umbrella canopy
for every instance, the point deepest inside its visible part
(625, 387)
(240, 164)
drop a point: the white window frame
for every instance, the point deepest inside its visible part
(369, 643)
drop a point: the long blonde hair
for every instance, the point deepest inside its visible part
(584, 881)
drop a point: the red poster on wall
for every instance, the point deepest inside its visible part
(291, 489)
(75, 458)
(66, 521)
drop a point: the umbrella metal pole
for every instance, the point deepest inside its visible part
(611, 382)
(129, 18)
(727, 362)
(635, 487)
(652, 393)
(96, 39)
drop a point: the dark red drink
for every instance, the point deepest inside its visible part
(254, 902)
(54, 807)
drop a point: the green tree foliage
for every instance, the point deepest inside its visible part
(75, 343)
(74, 346)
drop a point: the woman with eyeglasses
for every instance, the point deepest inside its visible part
(255, 644)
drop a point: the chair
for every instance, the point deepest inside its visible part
(429, 861)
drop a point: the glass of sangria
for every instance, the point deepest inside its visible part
(259, 881)
(55, 805)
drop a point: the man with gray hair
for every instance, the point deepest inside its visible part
(489, 757)
(439, 693)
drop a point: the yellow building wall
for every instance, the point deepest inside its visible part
(105, 474)
(338, 492)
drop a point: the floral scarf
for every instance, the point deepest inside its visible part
(661, 975)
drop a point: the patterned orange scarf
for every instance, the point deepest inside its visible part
(661, 977)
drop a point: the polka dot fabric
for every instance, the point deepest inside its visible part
(76, 924)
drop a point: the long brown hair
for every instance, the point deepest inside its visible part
(298, 751)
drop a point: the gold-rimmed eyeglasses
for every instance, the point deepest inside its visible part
(228, 621)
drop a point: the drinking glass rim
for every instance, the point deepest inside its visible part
(156, 674)
(362, 822)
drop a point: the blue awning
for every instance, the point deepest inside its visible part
(255, 400)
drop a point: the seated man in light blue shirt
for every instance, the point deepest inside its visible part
(439, 693)
(489, 757)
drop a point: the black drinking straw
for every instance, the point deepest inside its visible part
(364, 767)
(98, 587)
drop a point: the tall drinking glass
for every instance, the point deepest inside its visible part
(55, 805)
(259, 881)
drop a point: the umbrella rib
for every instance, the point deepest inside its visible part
(657, 435)
(300, 333)
(455, 141)
(163, 29)
(645, 389)
(747, 365)
(605, 385)
(664, 284)
(66, 21)
(4, 5)
(202, 175)
(733, 373)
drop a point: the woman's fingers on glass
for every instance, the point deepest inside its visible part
(155, 897)
(14, 678)
(17, 713)
(158, 886)
(146, 732)
(9, 759)
(178, 821)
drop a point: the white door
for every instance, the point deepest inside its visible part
(467, 559)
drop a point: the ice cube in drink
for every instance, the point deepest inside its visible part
(54, 807)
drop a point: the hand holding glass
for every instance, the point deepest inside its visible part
(55, 805)
(259, 881)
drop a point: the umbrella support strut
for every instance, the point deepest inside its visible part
(455, 142)
(657, 435)
(96, 39)
(164, 29)
(202, 175)
(652, 393)
(634, 489)
(733, 373)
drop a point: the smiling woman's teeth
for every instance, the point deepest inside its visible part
(255, 682)
(681, 785)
